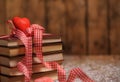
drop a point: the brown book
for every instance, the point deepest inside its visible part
(37, 68)
(6, 51)
(14, 47)
(51, 74)
(12, 61)
(12, 42)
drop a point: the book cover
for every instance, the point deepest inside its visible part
(51, 74)
(37, 68)
(12, 61)
(6, 51)
(14, 42)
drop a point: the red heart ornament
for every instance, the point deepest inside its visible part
(21, 23)
(44, 79)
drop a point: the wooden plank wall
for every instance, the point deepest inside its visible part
(75, 24)
(34, 10)
(2, 17)
(114, 14)
(86, 26)
(56, 18)
(98, 29)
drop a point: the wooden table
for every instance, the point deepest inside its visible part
(102, 68)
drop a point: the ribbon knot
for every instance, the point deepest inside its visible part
(33, 28)
(36, 26)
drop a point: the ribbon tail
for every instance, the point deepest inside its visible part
(22, 68)
(38, 36)
(78, 73)
(25, 65)
(60, 71)
(61, 74)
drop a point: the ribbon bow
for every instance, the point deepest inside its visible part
(25, 66)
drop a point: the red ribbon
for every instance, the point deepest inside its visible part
(25, 66)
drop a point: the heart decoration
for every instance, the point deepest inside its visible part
(21, 23)
(44, 79)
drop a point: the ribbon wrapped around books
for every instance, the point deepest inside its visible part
(35, 31)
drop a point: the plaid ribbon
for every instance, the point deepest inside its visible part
(25, 65)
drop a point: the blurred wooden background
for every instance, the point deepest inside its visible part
(86, 26)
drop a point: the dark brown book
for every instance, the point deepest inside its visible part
(6, 51)
(14, 42)
(51, 74)
(12, 61)
(37, 68)
(20, 50)
(14, 47)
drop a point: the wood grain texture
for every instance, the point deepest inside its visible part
(98, 31)
(35, 11)
(114, 11)
(76, 31)
(13, 9)
(2, 17)
(68, 18)
(56, 16)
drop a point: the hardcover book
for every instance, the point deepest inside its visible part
(51, 74)
(6, 51)
(13, 42)
(12, 61)
(37, 68)
(11, 47)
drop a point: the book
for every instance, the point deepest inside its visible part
(12, 61)
(51, 74)
(14, 47)
(37, 68)
(13, 42)
(6, 51)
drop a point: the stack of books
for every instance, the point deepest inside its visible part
(12, 51)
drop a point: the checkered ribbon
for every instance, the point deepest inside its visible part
(25, 66)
